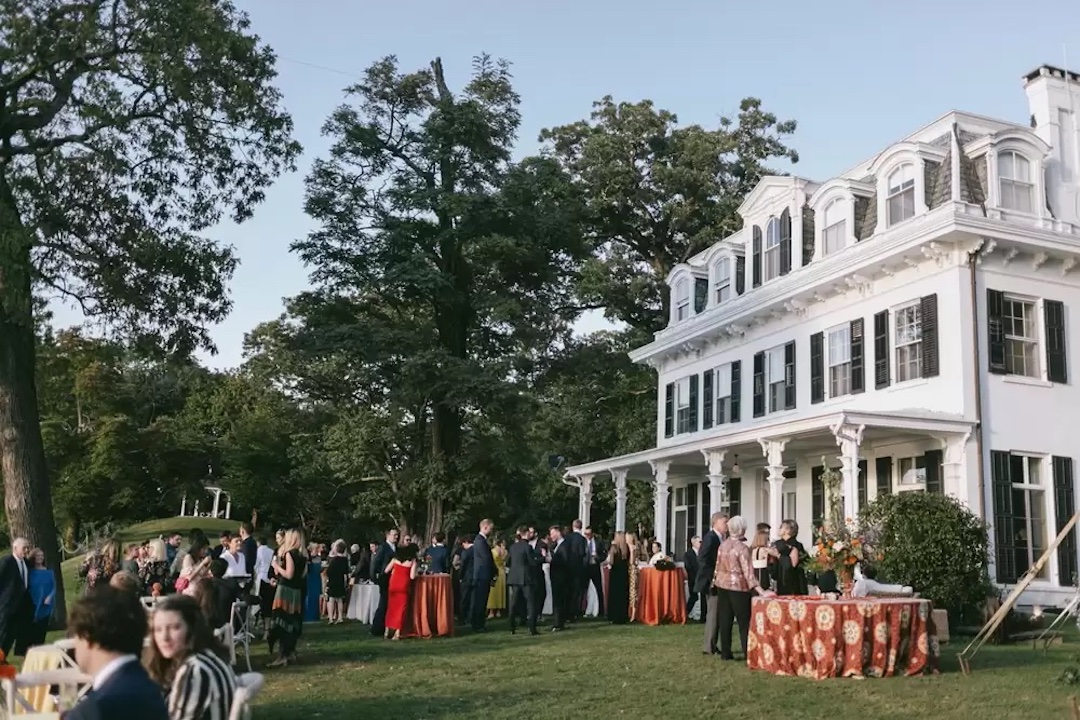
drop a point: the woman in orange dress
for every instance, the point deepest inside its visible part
(402, 569)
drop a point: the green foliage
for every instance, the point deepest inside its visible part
(932, 543)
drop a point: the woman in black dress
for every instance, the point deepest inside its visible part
(337, 583)
(790, 574)
(618, 594)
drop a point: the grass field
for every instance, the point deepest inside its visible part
(599, 671)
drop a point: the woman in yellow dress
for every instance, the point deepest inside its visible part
(497, 596)
(634, 547)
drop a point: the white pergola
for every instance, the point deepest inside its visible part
(215, 508)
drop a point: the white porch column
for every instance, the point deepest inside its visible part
(196, 508)
(717, 480)
(183, 505)
(217, 499)
(849, 438)
(585, 499)
(619, 476)
(953, 464)
(773, 450)
(661, 488)
(228, 506)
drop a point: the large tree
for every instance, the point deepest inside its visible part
(658, 193)
(126, 128)
(442, 269)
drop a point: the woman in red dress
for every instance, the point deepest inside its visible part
(402, 569)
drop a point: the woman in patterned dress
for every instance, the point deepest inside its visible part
(632, 569)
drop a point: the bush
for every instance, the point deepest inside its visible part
(932, 543)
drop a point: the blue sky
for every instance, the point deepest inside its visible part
(855, 74)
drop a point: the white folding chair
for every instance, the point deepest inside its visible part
(248, 686)
(148, 601)
(240, 627)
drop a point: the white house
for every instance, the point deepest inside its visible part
(917, 319)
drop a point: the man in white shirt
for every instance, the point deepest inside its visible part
(234, 559)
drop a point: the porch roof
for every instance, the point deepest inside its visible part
(693, 452)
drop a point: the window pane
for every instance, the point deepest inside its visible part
(776, 365)
(840, 345)
(772, 238)
(723, 380)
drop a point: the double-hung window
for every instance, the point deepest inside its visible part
(908, 341)
(839, 360)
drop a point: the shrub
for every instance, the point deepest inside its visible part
(932, 543)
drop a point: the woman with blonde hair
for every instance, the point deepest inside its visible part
(290, 568)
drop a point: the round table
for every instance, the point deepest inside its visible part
(363, 602)
(431, 607)
(858, 637)
(661, 596)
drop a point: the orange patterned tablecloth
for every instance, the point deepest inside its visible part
(863, 637)
(661, 596)
(432, 608)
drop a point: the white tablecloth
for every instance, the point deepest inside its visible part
(592, 606)
(363, 602)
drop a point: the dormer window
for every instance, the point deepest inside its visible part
(834, 227)
(1014, 182)
(722, 280)
(682, 299)
(900, 199)
(772, 249)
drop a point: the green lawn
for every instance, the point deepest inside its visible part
(597, 670)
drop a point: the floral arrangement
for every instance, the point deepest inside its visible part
(838, 545)
(7, 670)
(664, 564)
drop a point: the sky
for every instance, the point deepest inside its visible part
(856, 75)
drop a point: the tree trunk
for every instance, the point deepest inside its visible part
(27, 497)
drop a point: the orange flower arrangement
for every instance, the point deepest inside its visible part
(838, 546)
(6, 669)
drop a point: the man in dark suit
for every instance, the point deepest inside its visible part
(438, 556)
(539, 581)
(382, 558)
(248, 546)
(466, 578)
(692, 565)
(578, 548)
(704, 584)
(108, 626)
(483, 576)
(564, 568)
(522, 561)
(595, 554)
(15, 606)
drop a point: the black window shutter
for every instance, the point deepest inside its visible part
(1004, 539)
(858, 374)
(789, 376)
(862, 484)
(881, 349)
(883, 469)
(740, 275)
(734, 496)
(755, 247)
(995, 331)
(1064, 507)
(1057, 369)
(817, 367)
(930, 365)
(817, 496)
(785, 242)
(707, 406)
(736, 389)
(759, 384)
(701, 294)
(669, 410)
(693, 402)
(935, 483)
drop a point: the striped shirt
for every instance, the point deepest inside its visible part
(203, 689)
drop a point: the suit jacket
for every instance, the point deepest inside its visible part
(467, 565)
(128, 692)
(382, 558)
(440, 559)
(523, 562)
(564, 563)
(578, 548)
(14, 597)
(483, 562)
(601, 551)
(250, 548)
(691, 565)
(707, 557)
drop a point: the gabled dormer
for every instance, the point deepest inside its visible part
(689, 287)
(1012, 164)
(773, 215)
(840, 209)
(725, 263)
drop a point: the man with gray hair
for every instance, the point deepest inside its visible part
(14, 594)
(704, 582)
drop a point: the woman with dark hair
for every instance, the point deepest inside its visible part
(186, 660)
(196, 564)
(402, 570)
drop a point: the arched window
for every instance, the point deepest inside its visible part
(682, 299)
(722, 280)
(1014, 181)
(772, 249)
(834, 227)
(900, 202)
